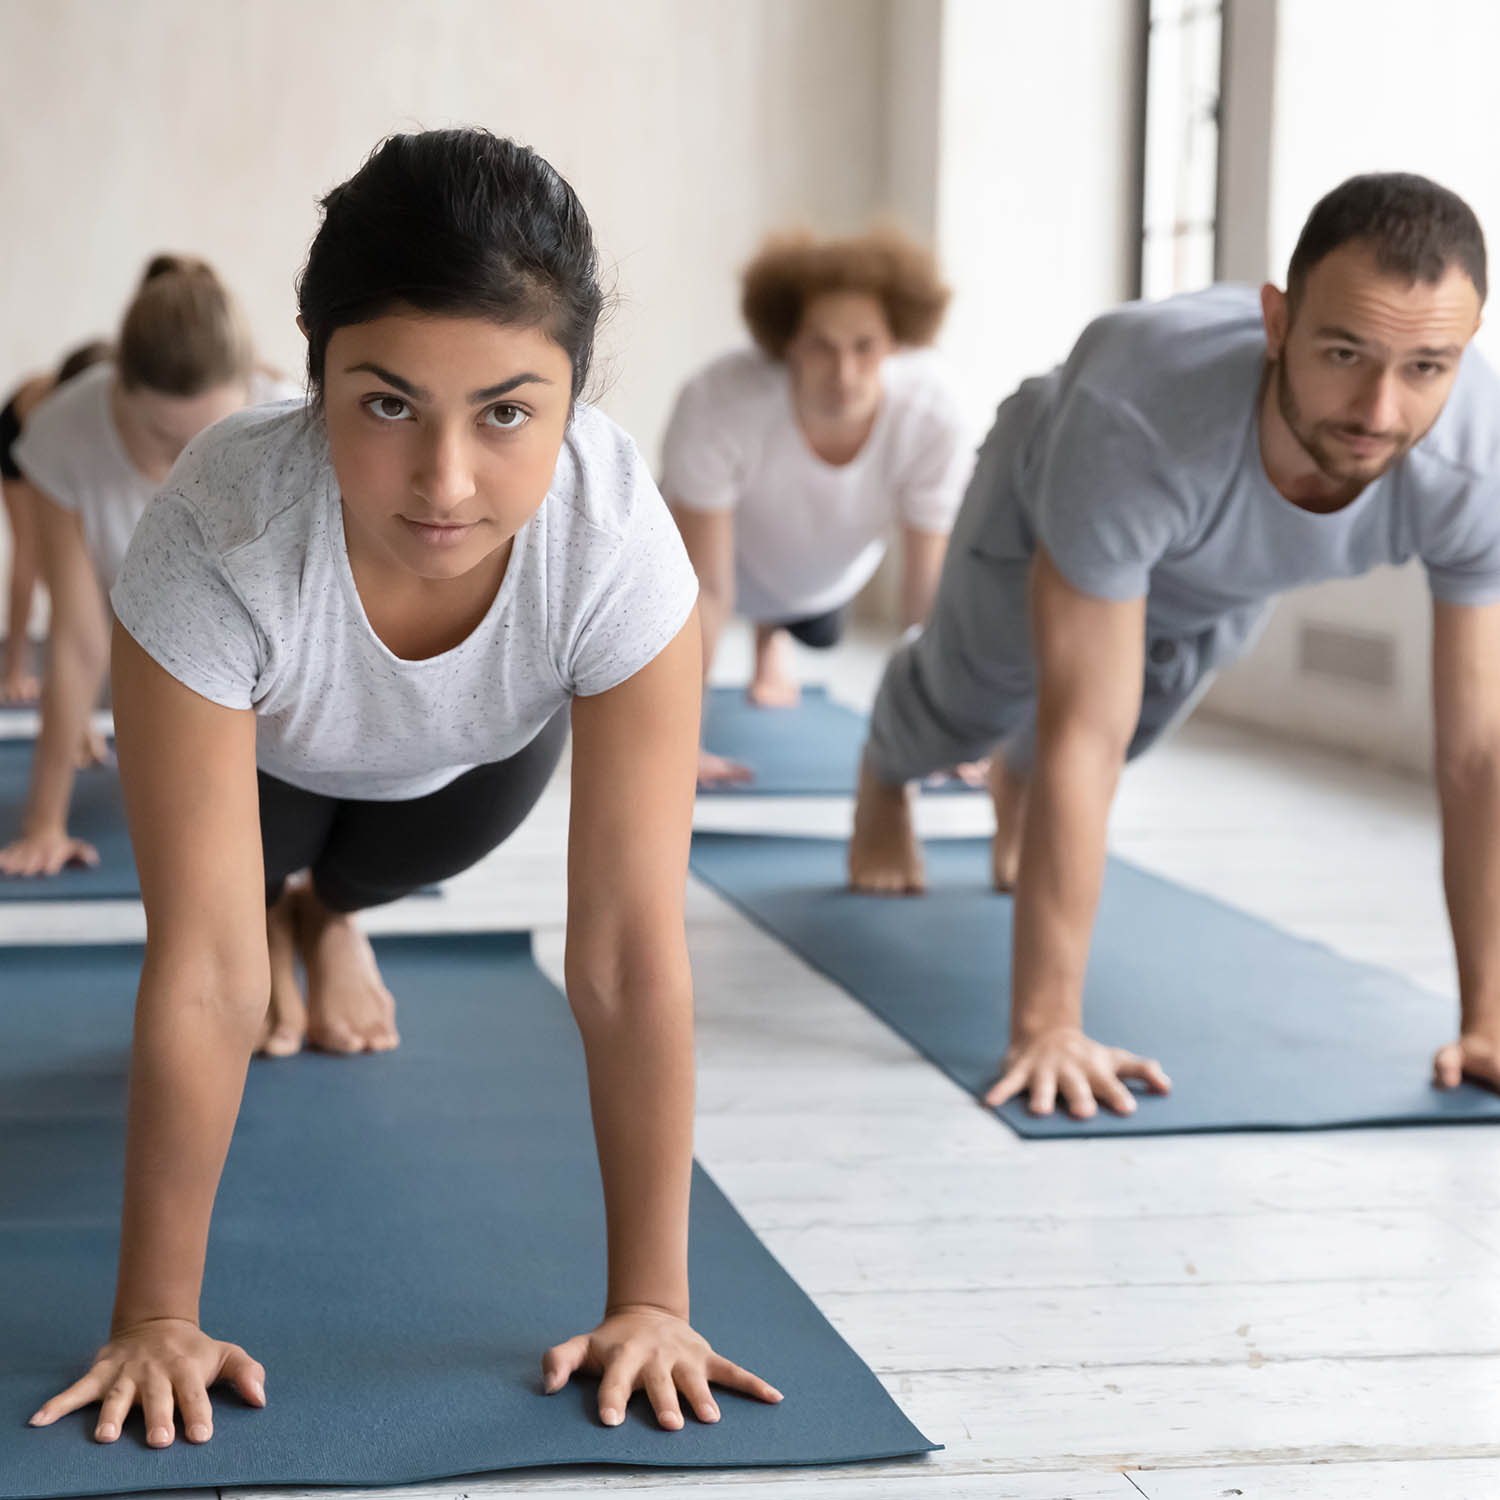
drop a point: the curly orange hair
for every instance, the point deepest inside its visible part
(791, 269)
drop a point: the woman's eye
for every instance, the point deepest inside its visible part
(1342, 356)
(505, 417)
(387, 408)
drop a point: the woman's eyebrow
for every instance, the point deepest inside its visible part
(418, 393)
(490, 392)
(369, 367)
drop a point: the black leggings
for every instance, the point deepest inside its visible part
(818, 631)
(366, 853)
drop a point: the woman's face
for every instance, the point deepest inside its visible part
(444, 433)
(157, 427)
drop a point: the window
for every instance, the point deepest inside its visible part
(1180, 179)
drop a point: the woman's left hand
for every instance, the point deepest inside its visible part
(640, 1347)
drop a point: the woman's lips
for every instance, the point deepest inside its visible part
(439, 533)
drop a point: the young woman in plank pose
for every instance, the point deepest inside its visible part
(348, 641)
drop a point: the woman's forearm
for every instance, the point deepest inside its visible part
(639, 1045)
(195, 1028)
(69, 691)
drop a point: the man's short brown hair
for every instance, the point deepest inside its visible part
(791, 269)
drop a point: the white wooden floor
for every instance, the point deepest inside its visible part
(1176, 1318)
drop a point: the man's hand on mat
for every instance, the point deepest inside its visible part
(162, 1365)
(647, 1348)
(1062, 1060)
(45, 853)
(719, 770)
(1472, 1056)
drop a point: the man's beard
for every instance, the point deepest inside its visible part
(1317, 438)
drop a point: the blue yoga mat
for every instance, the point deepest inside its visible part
(97, 815)
(810, 750)
(1258, 1029)
(398, 1238)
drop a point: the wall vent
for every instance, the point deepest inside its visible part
(1358, 656)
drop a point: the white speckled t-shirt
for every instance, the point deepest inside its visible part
(238, 583)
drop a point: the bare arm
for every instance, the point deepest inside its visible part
(1091, 661)
(709, 539)
(77, 659)
(1466, 703)
(188, 768)
(922, 555)
(634, 750)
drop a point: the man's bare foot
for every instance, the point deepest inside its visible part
(1008, 792)
(19, 688)
(286, 1016)
(773, 685)
(884, 855)
(349, 1008)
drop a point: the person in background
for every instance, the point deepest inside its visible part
(1131, 517)
(94, 453)
(790, 465)
(18, 683)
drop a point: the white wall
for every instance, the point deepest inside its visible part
(1037, 181)
(1364, 85)
(687, 128)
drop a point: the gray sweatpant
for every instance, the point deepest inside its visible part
(967, 684)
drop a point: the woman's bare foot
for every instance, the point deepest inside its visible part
(349, 1008)
(18, 688)
(773, 685)
(286, 1016)
(884, 855)
(1008, 792)
(93, 750)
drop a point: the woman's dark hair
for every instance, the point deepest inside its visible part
(790, 270)
(1416, 229)
(460, 222)
(76, 361)
(184, 333)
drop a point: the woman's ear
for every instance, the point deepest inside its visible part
(302, 325)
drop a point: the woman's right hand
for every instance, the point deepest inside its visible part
(161, 1365)
(46, 852)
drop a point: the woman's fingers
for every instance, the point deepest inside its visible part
(157, 1406)
(693, 1384)
(115, 1407)
(561, 1361)
(1043, 1089)
(1147, 1069)
(661, 1390)
(246, 1375)
(1077, 1092)
(1448, 1066)
(1010, 1083)
(732, 1377)
(194, 1406)
(83, 1391)
(620, 1379)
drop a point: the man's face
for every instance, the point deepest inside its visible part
(835, 358)
(1364, 363)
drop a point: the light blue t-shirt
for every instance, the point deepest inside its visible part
(1137, 466)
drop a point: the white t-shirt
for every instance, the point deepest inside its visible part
(808, 534)
(71, 450)
(238, 584)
